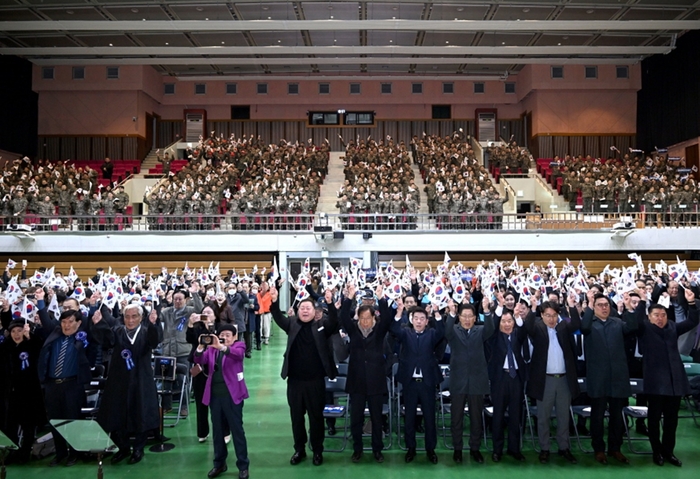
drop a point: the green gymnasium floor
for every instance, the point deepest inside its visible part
(269, 436)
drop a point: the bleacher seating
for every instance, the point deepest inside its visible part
(122, 168)
(175, 166)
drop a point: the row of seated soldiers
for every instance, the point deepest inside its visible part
(665, 190)
(275, 188)
(379, 191)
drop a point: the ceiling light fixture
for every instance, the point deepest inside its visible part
(590, 11)
(199, 9)
(70, 12)
(460, 9)
(526, 10)
(134, 10)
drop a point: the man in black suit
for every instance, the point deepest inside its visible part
(507, 372)
(665, 380)
(307, 361)
(366, 381)
(419, 374)
(607, 375)
(552, 380)
(677, 311)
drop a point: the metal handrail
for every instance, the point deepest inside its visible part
(366, 222)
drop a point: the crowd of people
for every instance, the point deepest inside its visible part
(459, 190)
(379, 191)
(509, 158)
(259, 186)
(485, 333)
(660, 186)
(45, 189)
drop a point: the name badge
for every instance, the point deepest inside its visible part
(603, 206)
(657, 206)
(321, 328)
(682, 206)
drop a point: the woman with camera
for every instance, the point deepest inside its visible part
(224, 393)
(201, 324)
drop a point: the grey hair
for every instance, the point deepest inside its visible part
(133, 306)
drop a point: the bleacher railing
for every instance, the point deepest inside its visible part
(434, 223)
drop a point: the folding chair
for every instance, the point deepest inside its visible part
(585, 412)
(338, 410)
(636, 412)
(531, 411)
(93, 392)
(691, 370)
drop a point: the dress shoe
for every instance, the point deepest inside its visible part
(620, 457)
(379, 457)
(217, 471)
(432, 457)
(318, 459)
(566, 454)
(71, 461)
(544, 457)
(258, 347)
(184, 412)
(243, 474)
(410, 455)
(248, 355)
(136, 456)
(356, 456)
(457, 457)
(600, 457)
(658, 459)
(496, 457)
(641, 429)
(56, 461)
(331, 430)
(673, 460)
(476, 455)
(518, 456)
(227, 439)
(297, 457)
(120, 456)
(203, 439)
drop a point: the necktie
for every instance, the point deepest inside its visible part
(61, 358)
(512, 372)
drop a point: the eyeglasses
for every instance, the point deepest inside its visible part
(546, 315)
(602, 305)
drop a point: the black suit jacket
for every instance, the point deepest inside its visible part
(366, 367)
(499, 349)
(322, 330)
(539, 336)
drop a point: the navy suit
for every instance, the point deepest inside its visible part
(417, 354)
(506, 392)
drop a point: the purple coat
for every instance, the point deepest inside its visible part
(232, 365)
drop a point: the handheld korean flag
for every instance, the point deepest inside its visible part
(72, 275)
(302, 281)
(355, 264)
(13, 290)
(54, 308)
(306, 269)
(439, 295)
(408, 263)
(11, 264)
(458, 292)
(110, 298)
(447, 258)
(514, 265)
(28, 310)
(330, 276)
(638, 259)
(393, 292)
(37, 278)
(78, 293)
(275, 271)
(301, 295)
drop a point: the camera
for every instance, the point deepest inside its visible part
(206, 340)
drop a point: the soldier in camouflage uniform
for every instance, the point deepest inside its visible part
(46, 211)
(179, 211)
(209, 209)
(587, 193)
(94, 208)
(108, 205)
(151, 200)
(80, 206)
(344, 206)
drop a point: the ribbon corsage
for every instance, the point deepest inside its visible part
(24, 357)
(82, 337)
(126, 355)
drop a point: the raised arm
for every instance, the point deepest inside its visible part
(279, 317)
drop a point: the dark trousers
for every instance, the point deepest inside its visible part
(507, 395)
(258, 320)
(357, 415)
(198, 384)
(121, 439)
(414, 393)
(476, 423)
(63, 401)
(615, 425)
(307, 398)
(225, 411)
(668, 407)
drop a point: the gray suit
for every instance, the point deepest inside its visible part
(469, 379)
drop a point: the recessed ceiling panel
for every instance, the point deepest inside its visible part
(233, 39)
(652, 14)
(459, 12)
(287, 39)
(522, 13)
(336, 10)
(266, 11)
(24, 15)
(378, 38)
(105, 40)
(339, 39)
(71, 13)
(389, 11)
(201, 12)
(164, 39)
(137, 13)
(564, 40)
(437, 39)
(590, 13)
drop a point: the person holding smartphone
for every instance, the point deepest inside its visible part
(224, 393)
